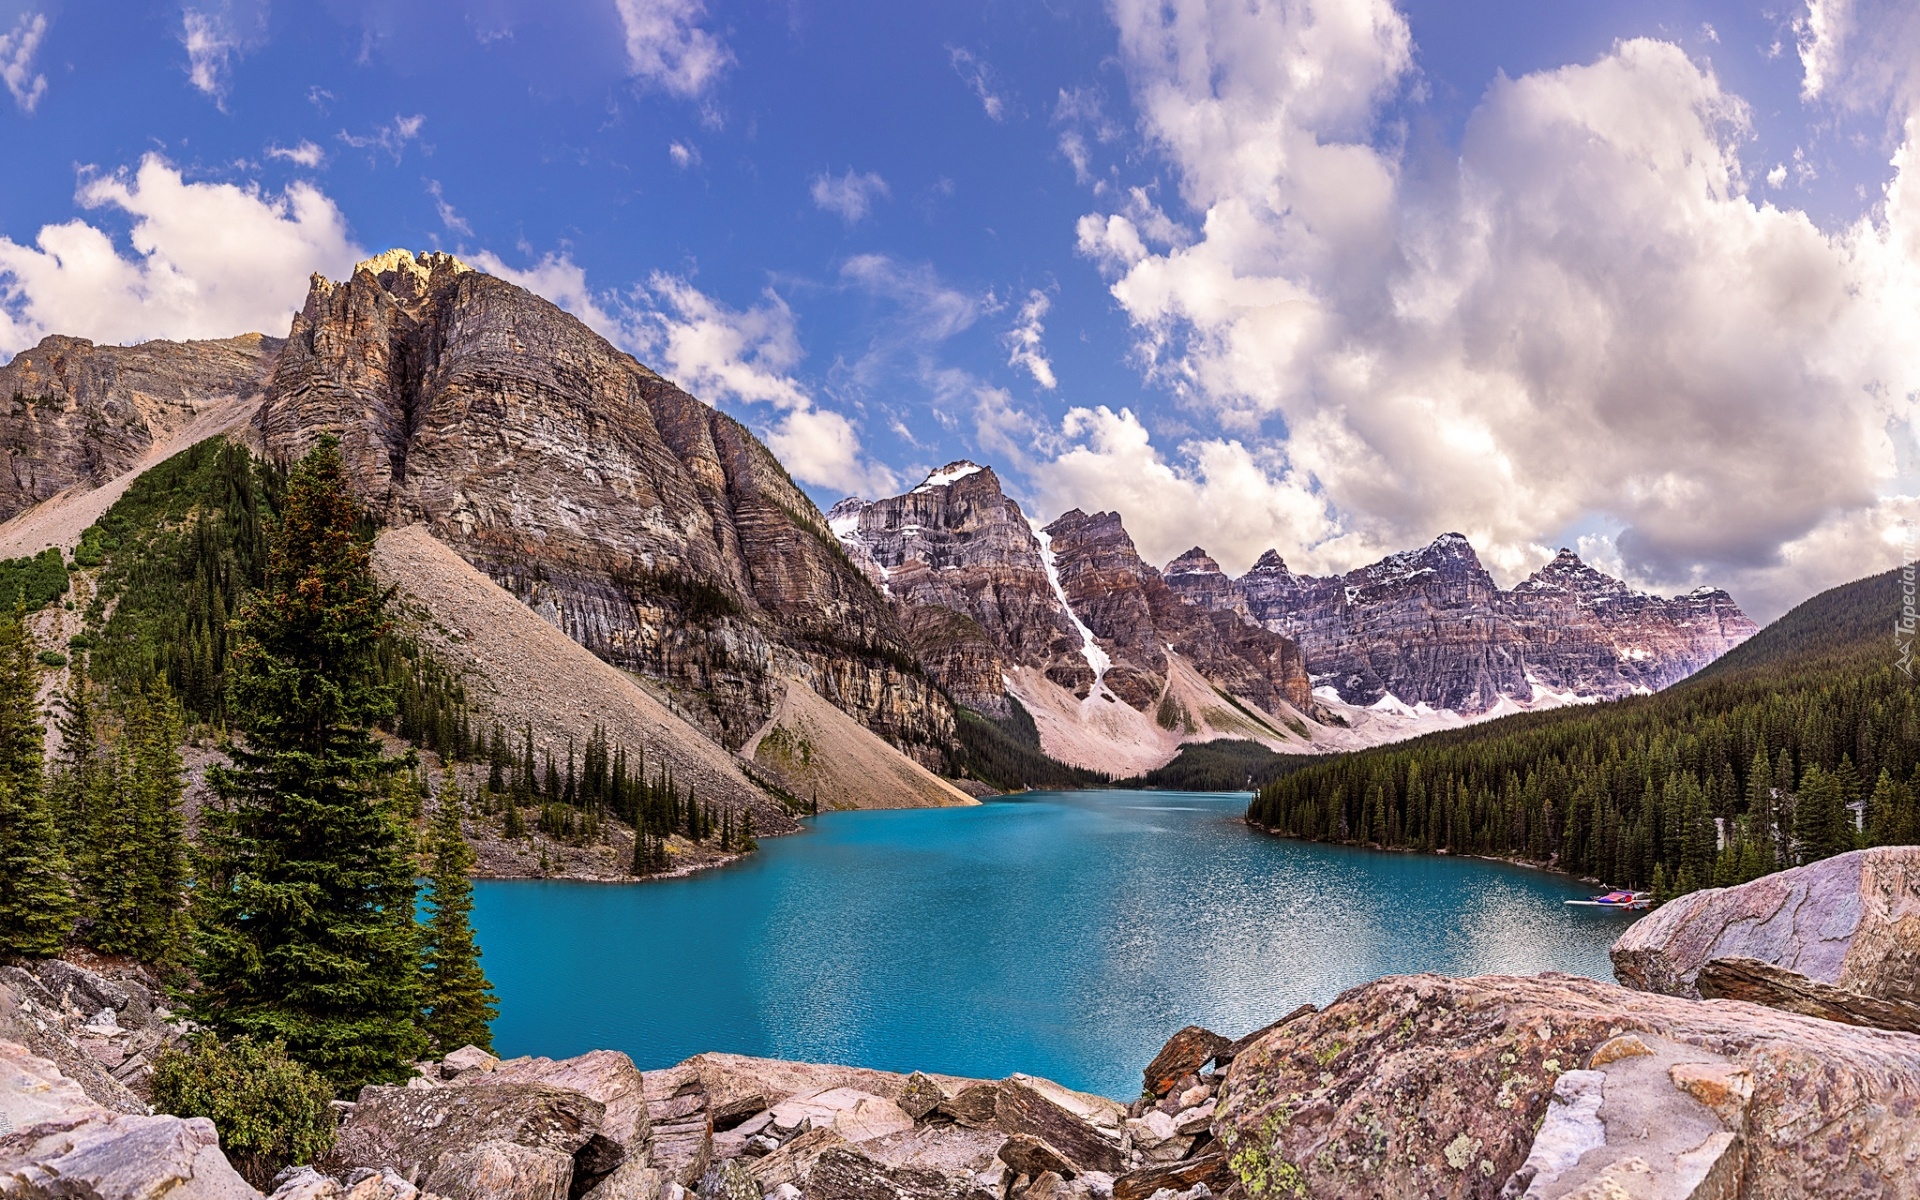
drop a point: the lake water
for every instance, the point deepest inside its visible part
(1064, 934)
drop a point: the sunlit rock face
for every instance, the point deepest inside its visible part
(654, 530)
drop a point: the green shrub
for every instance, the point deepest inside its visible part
(272, 1112)
(79, 641)
(34, 582)
(52, 658)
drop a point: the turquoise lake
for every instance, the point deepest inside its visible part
(1064, 934)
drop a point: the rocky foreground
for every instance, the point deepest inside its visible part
(1548, 1087)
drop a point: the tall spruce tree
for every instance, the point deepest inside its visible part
(153, 783)
(456, 997)
(36, 905)
(304, 900)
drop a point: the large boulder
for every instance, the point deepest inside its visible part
(56, 1142)
(1851, 922)
(607, 1076)
(450, 1139)
(97, 1155)
(1428, 1086)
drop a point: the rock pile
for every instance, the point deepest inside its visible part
(103, 1032)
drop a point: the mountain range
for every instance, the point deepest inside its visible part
(1119, 662)
(661, 536)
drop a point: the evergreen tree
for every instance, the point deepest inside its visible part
(154, 781)
(36, 906)
(305, 896)
(79, 755)
(457, 999)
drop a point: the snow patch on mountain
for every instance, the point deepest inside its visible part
(1097, 659)
(951, 473)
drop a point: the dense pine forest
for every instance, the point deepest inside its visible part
(1803, 743)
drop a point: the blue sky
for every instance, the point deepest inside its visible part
(1333, 278)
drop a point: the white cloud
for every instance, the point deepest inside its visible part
(683, 155)
(306, 154)
(1588, 318)
(209, 260)
(722, 355)
(667, 47)
(979, 77)
(390, 139)
(1253, 499)
(214, 36)
(851, 195)
(748, 356)
(17, 49)
(451, 219)
(1024, 340)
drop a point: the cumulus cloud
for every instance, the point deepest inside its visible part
(979, 77)
(214, 36)
(721, 354)
(851, 195)
(1024, 341)
(305, 154)
(683, 154)
(18, 46)
(668, 48)
(208, 260)
(1588, 318)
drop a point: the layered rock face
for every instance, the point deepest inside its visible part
(1838, 938)
(1137, 614)
(972, 580)
(1431, 626)
(655, 531)
(957, 546)
(77, 414)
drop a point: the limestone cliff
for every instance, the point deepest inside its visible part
(1140, 619)
(652, 529)
(77, 415)
(961, 561)
(1430, 626)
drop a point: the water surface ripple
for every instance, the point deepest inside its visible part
(1064, 934)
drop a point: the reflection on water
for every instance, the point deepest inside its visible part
(1063, 934)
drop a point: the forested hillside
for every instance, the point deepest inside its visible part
(1798, 745)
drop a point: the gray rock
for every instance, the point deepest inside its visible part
(465, 1059)
(844, 1173)
(417, 1131)
(629, 1181)
(91, 1155)
(1849, 921)
(606, 1076)
(496, 1170)
(729, 1181)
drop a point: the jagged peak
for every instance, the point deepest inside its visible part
(420, 266)
(952, 473)
(1194, 562)
(1269, 563)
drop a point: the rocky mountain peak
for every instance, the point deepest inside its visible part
(410, 276)
(1194, 562)
(953, 473)
(1269, 563)
(653, 530)
(1569, 574)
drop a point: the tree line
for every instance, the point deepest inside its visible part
(292, 923)
(1806, 746)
